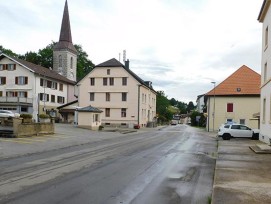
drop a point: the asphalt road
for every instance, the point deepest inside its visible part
(172, 165)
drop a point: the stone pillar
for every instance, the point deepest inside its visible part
(16, 123)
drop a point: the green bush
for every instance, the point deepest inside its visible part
(26, 115)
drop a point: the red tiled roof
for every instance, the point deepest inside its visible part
(244, 81)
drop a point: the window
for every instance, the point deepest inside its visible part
(44, 97)
(124, 81)
(1, 93)
(265, 73)
(92, 81)
(53, 98)
(91, 96)
(2, 67)
(266, 37)
(60, 99)
(243, 121)
(235, 127)
(49, 84)
(22, 94)
(107, 96)
(60, 61)
(96, 117)
(71, 63)
(107, 112)
(24, 109)
(60, 87)
(111, 81)
(21, 80)
(123, 112)
(2, 80)
(230, 107)
(108, 71)
(124, 96)
(105, 81)
(11, 94)
(11, 67)
(54, 85)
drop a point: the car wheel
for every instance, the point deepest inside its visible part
(226, 137)
(255, 136)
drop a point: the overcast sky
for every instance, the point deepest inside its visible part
(179, 45)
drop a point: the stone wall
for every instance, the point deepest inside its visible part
(30, 129)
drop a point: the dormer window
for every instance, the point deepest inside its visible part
(238, 89)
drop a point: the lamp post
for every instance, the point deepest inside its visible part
(213, 82)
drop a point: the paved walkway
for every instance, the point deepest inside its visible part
(242, 172)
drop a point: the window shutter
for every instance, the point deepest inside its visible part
(4, 80)
(47, 97)
(15, 94)
(41, 82)
(26, 80)
(40, 96)
(56, 85)
(16, 80)
(25, 94)
(14, 66)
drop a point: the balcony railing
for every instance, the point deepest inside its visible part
(5, 99)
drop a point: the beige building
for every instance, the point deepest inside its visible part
(265, 116)
(124, 98)
(235, 99)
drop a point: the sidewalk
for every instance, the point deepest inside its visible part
(242, 173)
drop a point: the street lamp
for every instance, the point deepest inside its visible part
(213, 82)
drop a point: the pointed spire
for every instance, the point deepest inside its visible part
(65, 32)
(65, 38)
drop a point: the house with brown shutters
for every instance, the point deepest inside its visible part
(235, 99)
(29, 88)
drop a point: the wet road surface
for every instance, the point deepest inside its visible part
(172, 165)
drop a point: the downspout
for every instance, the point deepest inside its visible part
(138, 109)
(208, 114)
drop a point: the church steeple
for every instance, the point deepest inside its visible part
(64, 52)
(65, 38)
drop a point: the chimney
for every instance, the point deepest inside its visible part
(127, 64)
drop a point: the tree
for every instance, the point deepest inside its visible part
(190, 107)
(7, 51)
(162, 104)
(44, 57)
(84, 66)
(173, 102)
(182, 107)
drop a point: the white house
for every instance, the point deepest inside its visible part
(265, 113)
(124, 98)
(29, 88)
(200, 103)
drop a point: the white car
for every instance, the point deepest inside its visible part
(6, 114)
(228, 131)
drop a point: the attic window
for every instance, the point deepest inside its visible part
(238, 89)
